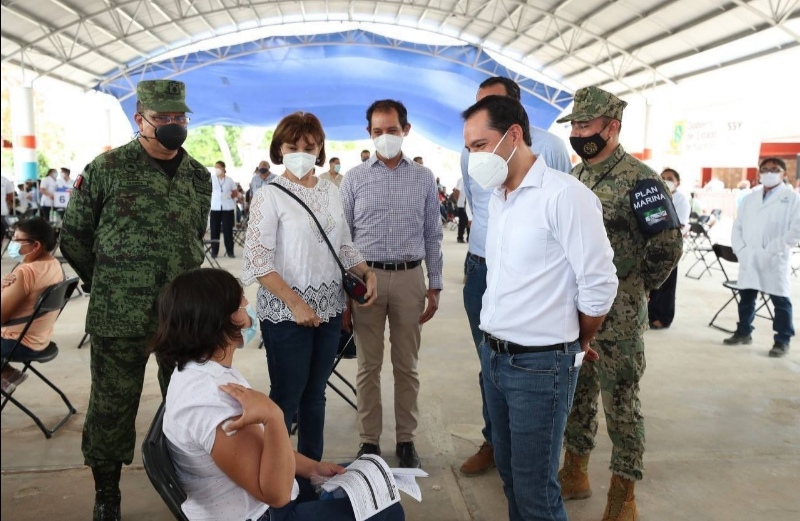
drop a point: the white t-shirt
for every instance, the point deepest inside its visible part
(7, 188)
(462, 195)
(282, 237)
(50, 184)
(222, 188)
(683, 209)
(195, 408)
(548, 257)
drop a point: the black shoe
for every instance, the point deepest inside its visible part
(107, 508)
(230, 255)
(409, 459)
(460, 241)
(737, 339)
(213, 255)
(107, 497)
(778, 350)
(369, 448)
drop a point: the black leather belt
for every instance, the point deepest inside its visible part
(394, 266)
(504, 346)
(477, 258)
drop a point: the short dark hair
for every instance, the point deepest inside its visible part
(333, 159)
(777, 161)
(418, 157)
(291, 128)
(503, 111)
(39, 230)
(387, 105)
(220, 163)
(65, 169)
(194, 317)
(512, 88)
(674, 172)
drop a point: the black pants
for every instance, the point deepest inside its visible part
(662, 300)
(463, 220)
(44, 211)
(222, 218)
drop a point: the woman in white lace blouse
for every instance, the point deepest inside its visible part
(300, 298)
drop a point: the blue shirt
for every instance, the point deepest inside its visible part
(393, 214)
(544, 144)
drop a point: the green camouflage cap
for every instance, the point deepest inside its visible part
(591, 103)
(162, 95)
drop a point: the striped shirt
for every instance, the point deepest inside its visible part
(393, 214)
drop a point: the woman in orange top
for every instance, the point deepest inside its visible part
(33, 241)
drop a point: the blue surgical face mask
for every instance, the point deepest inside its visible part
(14, 250)
(249, 333)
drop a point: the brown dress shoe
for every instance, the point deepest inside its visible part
(479, 462)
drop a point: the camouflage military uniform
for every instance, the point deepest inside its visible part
(128, 231)
(642, 265)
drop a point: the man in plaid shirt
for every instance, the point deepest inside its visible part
(391, 205)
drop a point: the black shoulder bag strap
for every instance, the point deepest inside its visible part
(321, 230)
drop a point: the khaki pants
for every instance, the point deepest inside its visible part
(401, 298)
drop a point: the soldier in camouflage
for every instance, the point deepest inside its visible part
(135, 220)
(643, 263)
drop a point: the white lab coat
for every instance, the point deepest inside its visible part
(763, 235)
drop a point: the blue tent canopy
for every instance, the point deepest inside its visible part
(336, 76)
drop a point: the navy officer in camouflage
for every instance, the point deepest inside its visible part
(644, 232)
(135, 220)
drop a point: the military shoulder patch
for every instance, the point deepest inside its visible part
(653, 207)
(78, 182)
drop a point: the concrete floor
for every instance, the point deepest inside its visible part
(723, 423)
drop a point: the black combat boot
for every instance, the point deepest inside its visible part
(107, 496)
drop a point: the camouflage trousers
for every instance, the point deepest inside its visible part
(615, 377)
(118, 368)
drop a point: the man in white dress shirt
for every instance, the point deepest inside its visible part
(554, 151)
(550, 282)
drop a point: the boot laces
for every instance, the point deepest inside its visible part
(616, 500)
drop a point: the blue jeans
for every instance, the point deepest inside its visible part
(474, 288)
(529, 396)
(8, 344)
(299, 361)
(308, 507)
(782, 324)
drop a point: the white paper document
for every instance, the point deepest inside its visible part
(372, 486)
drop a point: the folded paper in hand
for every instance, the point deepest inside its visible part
(372, 486)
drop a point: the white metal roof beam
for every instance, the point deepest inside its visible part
(683, 27)
(718, 66)
(773, 20)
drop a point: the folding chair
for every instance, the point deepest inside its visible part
(347, 349)
(726, 253)
(208, 243)
(52, 300)
(159, 467)
(240, 232)
(699, 243)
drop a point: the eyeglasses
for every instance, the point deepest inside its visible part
(166, 120)
(773, 170)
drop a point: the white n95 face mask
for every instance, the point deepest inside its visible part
(770, 180)
(388, 145)
(299, 163)
(487, 168)
(670, 185)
